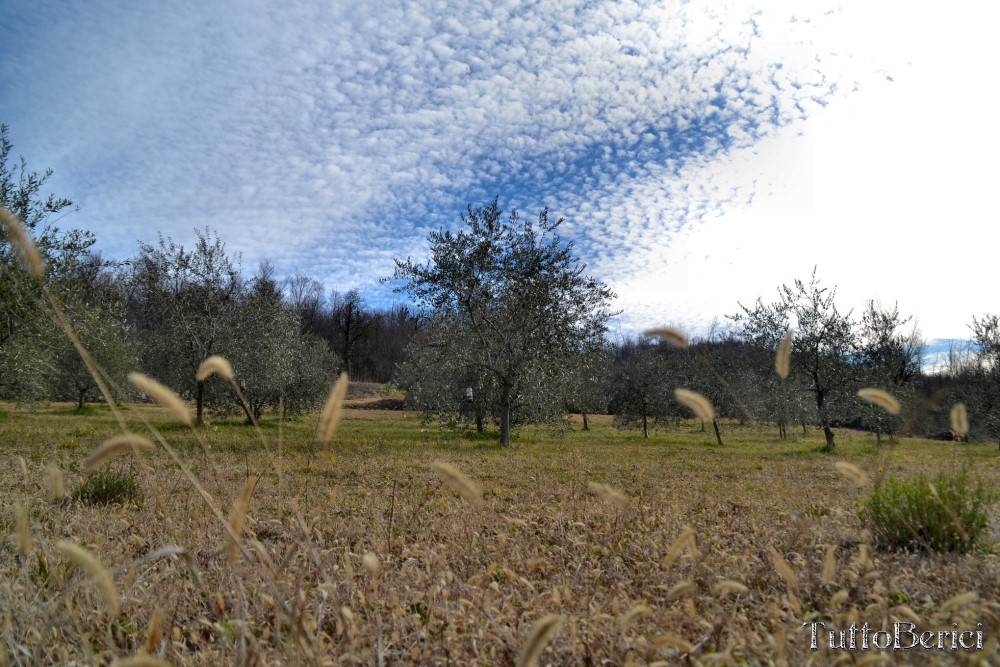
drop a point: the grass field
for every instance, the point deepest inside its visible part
(716, 555)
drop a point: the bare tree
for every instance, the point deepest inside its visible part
(351, 322)
(305, 298)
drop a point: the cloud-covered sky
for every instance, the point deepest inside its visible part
(701, 152)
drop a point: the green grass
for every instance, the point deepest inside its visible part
(946, 514)
(46, 429)
(85, 411)
(106, 487)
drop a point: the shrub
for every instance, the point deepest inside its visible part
(108, 487)
(949, 514)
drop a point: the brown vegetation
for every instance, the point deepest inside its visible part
(366, 557)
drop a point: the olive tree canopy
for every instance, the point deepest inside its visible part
(514, 306)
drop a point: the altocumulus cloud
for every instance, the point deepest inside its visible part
(331, 136)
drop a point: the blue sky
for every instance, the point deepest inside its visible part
(700, 152)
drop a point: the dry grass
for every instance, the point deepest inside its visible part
(367, 558)
(696, 403)
(853, 472)
(459, 483)
(332, 410)
(783, 359)
(163, 395)
(609, 493)
(112, 448)
(543, 631)
(214, 365)
(32, 259)
(959, 420)
(236, 519)
(95, 568)
(669, 335)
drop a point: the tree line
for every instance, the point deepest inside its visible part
(505, 329)
(518, 334)
(832, 356)
(167, 308)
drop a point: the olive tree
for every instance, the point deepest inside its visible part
(643, 381)
(982, 391)
(439, 383)
(889, 359)
(519, 308)
(825, 344)
(27, 337)
(275, 364)
(587, 390)
(183, 303)
(96, 309)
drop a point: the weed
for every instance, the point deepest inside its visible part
(949, 514)
(108, 487)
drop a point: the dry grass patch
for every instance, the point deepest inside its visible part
(367, 556)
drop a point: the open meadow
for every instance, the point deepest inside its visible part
(360, 553)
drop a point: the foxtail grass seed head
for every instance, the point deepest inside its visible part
(696, 403)
(727, 587)
(830, 565)
(637, 612)
(673, 641)
(332, 409)
(684, 541)
(668, 335)
(783, 360)
(781, 565)
(155, 632)
(610, 494)
(459, 483)
(116, 446)
(960, 420)
(880, 398)
(853, 473)
(370, 562)
(19, 237)
(90, 564)
(23, 534)
(543, 631)
(960, 600)
(236, 519)
(56, 481)
(907, 611)
(214, 365)
(192, 564)
(162, 395)
(682, 589)
(933, 491)
(141, 660)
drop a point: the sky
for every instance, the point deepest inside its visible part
(701, 153)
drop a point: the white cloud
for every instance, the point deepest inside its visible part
(331, 137)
